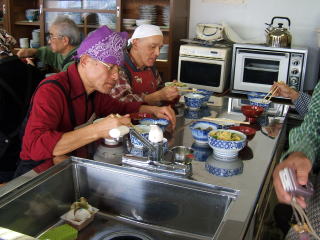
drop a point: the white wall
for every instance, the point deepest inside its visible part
(248, 19)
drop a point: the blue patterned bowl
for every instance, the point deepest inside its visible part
(144, 152)
(201, 152)
(257, 99)
(161, 122)
(199, 130)
(223, 169)
(206, 93)
(226, 149)
(194, 100)
(192, 114)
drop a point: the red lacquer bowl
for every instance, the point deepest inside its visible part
(135, 117)
(248, 131)
(252, 112)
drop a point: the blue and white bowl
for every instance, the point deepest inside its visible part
(223, 169)
(227, 149)
(257, 99)
(206, 93)
(194, 100)
(201, 152)
(161, 122)
(199, 130)
(192, 114)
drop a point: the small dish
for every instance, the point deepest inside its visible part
(200, 130)
(161, 122)
(248, 131)
(194, 100)
(80, 224)
(182, 154)
(227, 149)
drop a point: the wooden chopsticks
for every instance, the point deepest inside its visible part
(224, 120)
(270, 94)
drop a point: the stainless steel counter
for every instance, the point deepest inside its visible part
(257, 157)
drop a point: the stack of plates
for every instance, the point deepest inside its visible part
(166, 15)
(128, 22)
(148, 12)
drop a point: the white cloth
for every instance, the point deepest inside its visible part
(145, 30)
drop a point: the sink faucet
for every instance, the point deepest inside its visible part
(155, 150)
(154, 162)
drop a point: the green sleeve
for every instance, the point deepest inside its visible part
(50, 58)
(306, 138)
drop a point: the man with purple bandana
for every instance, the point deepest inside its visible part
(59, 121)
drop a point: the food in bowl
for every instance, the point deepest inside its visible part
(200, 130)
(257, 99)
(193, 100)
(175, 84)
(206, 93)
(226, 143)
(225, 135)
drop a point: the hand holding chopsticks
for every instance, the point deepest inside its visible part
(270, 94)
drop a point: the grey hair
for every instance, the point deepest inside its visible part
(68, 28)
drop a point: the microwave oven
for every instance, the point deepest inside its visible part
(257, 67)
(204, 67)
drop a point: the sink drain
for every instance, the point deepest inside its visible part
(126, 235)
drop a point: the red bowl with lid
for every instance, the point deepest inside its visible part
(135, 117)
(252, 112)
(248, 131)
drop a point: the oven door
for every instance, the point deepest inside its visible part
(256, 70)
(202, 73)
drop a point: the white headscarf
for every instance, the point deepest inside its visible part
(145, 30)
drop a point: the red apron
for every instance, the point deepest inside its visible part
(142, 81)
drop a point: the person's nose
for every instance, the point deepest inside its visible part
(157, 51)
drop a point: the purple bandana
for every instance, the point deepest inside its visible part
(105, 45)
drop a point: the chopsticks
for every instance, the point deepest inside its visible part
(224, 120)
(270, 94)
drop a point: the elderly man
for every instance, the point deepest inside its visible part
(76, 95)
(64, 38)
(140, 80)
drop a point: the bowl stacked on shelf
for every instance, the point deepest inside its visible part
(148, 12)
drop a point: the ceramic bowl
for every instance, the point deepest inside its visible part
(161, 122)
(257, 99)
(248, 131)
(182, 154)
(252, 112)
(223, 169)
(201, 152)
(227, 149)
(206, 93)
(200, 130)
(192, 114)
(194, 100)
(32, 14)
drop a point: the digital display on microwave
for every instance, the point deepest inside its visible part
(260, 71)
(200, 73)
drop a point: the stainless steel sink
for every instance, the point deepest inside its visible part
(161, 207)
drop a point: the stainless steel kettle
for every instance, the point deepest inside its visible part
(278, 36)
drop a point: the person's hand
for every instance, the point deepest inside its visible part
(299, 163)
(103, 126)
(26, 52)
(58, 159)
(168, 93)
(165, 112)
(30, 61)
(284, 91)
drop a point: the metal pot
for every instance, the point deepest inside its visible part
(278, 36)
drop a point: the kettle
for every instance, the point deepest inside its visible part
(278, 36)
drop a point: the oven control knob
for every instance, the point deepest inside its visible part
(293, 81)
(295, 62)
(294, 71)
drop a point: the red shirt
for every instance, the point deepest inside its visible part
(50, 118)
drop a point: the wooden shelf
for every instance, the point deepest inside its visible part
(27, 23)
(79, 10)
(163, 28)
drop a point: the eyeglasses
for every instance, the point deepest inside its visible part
(50, 36)
(114, 68)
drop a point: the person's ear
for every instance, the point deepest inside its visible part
(135, 43)
(65, 40)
